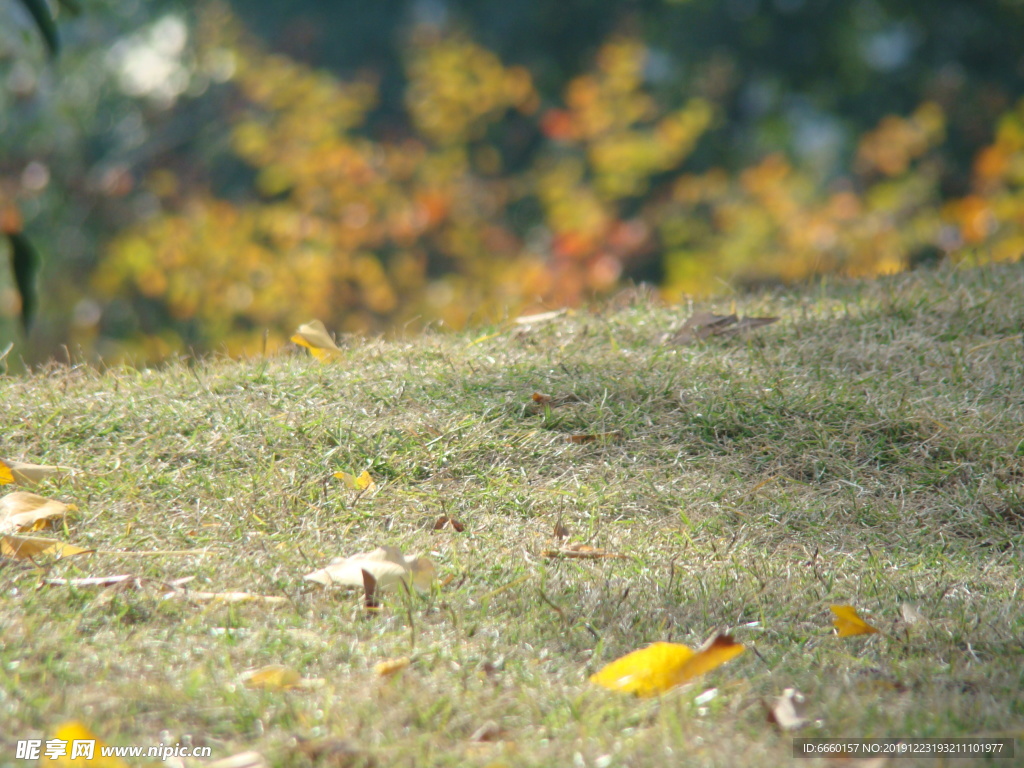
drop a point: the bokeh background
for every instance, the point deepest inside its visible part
(203, 177)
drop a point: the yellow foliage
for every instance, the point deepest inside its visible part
(372, 234)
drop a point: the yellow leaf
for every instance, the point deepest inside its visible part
(76, 731)
(389, 667)
(25, 547)
(848, 623)
(662, 666)
(314, 337)
(28, 474)
(22, 511)
(362, 483)
(274, 677)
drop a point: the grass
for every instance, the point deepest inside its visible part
(867, 449)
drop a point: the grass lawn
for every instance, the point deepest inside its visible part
(867, 449)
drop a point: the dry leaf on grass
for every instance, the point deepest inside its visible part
(387, 566)
(76, 731)
(362, 482)
(314, 337)
(94, 581)
(389, 667)
(27, 547)
(539, 402)
(23, 512)
(29, 474)
(489, 731)
(227, 597)
(662, 666)
(561, 530)
(910, 614)
(540, 317)
(581, 552)
(703, 325)
(786, 710)
(603, 437)
(445, 521)
(848, 623)
(277, 677)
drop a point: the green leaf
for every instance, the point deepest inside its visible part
(44, 20)
(25, 259)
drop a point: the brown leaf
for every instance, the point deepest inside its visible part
(703, 325)
(599, 436)
(785, 711)
(581, 552)
(444, 521)
(561, 531)
(489, 731)
(369, 589)
(540, 401)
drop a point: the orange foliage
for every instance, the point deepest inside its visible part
(371, 234)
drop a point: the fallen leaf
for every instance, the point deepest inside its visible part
(26, 512)
(91, 581)
(581, 552)
(28, 474)
(849, 623)
(25, 547)
(241, 760)
(369, 589)
(76, 731)
(314, 337)
(444, 521)
(561, 530)
(662, 666)
(277, 677)
(364, 482)
(785, 711)
(389, 667)
(910, 613)
(228, 597)
(387, 565)
(703, 325)
(600, 436)
(489, 731)
(540, 317)
(272, 677)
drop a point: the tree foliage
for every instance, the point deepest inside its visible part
(463, 161)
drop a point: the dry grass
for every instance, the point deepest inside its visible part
(867, 449)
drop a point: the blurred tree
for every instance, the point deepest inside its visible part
(447, 158)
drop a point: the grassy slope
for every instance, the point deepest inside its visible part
(867, 449)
